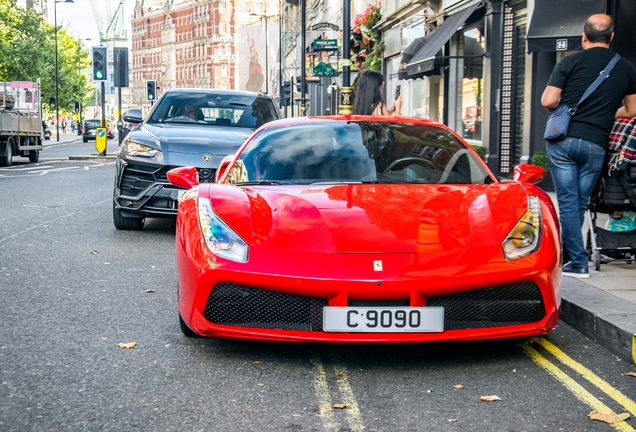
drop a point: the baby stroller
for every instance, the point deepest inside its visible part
(615, 196)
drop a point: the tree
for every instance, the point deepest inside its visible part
(27, 52)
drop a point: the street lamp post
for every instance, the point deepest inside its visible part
(78, 118)
(57, 77)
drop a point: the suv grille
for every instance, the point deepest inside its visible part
(503, 305)
(238, 305)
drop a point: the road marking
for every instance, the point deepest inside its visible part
(634, 349)
(322, 393)
(619, 397)
(578, 390)
(354, 418)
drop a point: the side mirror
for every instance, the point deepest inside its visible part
(185, 177)
(527, 173)
(222, 167)
(133, 115)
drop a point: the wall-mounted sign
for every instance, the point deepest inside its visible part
(324, 25)
(561, 44)
(325, 44)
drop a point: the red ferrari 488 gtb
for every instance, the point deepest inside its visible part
(365, 229)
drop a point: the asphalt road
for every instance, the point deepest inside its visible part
(73, 287)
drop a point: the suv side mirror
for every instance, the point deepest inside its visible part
(133, 115)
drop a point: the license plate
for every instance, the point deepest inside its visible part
(383, 319)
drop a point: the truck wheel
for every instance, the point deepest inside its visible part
(34, 155)
(7, 159)
(126, 223)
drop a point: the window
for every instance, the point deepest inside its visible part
(222, 6)
(470, 70)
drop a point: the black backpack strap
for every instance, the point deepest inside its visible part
(597, 82)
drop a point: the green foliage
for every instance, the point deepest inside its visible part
(480, 150)
(27, 52)
(540, 158)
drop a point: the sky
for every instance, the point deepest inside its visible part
(78, 18)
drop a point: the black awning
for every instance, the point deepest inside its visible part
(557, 25)
(424, 60)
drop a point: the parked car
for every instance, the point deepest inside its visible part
(90, 127)
(364, 229)
(196, 127)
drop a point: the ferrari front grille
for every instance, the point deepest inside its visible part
(242, 306)
(503, 305)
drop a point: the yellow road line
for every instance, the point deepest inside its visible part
(619, 397)
(353, 412)
(322, 393)
(634, 349)
(578, 390)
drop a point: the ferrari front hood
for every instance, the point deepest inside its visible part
(371, 218)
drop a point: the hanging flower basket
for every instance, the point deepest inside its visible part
(369, 38)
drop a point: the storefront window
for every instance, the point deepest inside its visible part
(471, 48)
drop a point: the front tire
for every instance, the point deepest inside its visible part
(7, 159)
(126, 223)
(187, 331)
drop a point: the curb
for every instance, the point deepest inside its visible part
(604, 318)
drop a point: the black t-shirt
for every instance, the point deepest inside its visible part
(594, 119)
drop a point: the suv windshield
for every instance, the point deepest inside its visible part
(358, 151)
(217, 109)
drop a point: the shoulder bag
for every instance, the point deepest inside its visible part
(557, 127)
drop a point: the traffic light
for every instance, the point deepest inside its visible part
(151, 90)
(286, 94)
(100, 63)
(78, 107)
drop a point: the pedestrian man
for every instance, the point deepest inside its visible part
(576, 161)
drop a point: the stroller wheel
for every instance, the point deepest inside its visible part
(597, 260)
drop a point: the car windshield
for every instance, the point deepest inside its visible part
(92, 123)
(357, 152)
(216, 109)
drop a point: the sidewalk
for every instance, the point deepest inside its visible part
(603, 307)
(87, 150)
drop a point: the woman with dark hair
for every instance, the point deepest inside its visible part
(369, 99)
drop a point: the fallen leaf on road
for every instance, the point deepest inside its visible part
(296, 415)
(149, 291)
(429, 391)
(153, 266)
(106, 263)
(127, 345)
(490, 398)
(610, 418)
(261, 384)
(630, 374)
(339, 406)
(256, 362)
(94, 252)
(104, 338)
(452, 420)
(458, 386)
(531, 340)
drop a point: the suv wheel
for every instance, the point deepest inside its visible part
(126, 223)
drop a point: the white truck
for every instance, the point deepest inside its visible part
(21, 132)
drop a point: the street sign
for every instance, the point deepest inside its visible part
(100, 140)
(325, 44)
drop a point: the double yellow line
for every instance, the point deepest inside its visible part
(327, 414)
(578, 390)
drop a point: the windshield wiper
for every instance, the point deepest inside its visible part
(337, 182)
(257, 182)
(392, 182)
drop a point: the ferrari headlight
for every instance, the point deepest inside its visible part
(219, 237)
(135, 149)
(526, 235)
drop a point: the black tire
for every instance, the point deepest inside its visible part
(597, 260)
(85, 140)
(34, 155)
(7, 160)
(187, 330)
(126, 223)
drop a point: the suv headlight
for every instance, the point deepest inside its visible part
(132, 148)
(526, 235)
(220, 238)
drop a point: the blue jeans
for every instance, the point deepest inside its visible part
(575, 165)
